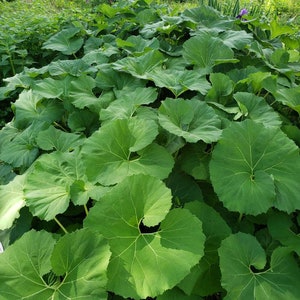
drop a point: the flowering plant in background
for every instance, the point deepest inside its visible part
(243, 12)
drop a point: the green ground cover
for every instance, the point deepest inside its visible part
(148, 153)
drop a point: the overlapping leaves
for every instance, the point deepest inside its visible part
(122, 148)
(105, 128)
(48, 184)
(74, 267)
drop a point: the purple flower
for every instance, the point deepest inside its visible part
(243, 12)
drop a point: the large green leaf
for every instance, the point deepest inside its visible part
(143, 255)
(206, 51)
(11, 201)
(74, 67)
(65, 41)
(74, 268)
(192, 119)
(128, 102)
(21, 150)
(222, 86)
(109, 78)
(29, 259)
(289, 97)
(254, 168)
(257, 109)
(137, 45)
(121, 148)
(81, 93)
(236, 39)
(278, 29)
(81, 258)
(55, 139)
(204, 278)
(50, 88)
(179, 81)
(282, 229)
(139, 66)
(47, 187)
(31, 107)
(245, 275)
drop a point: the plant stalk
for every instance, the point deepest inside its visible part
(61, 225)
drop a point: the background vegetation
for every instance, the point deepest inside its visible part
(78, 79)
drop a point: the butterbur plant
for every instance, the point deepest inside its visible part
(155, 157)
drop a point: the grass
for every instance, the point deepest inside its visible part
(284, 10)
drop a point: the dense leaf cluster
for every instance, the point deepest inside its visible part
(155, 156)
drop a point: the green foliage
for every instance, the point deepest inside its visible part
(151, 155)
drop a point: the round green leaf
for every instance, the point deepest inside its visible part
(121, 148)
(193, 119)
(254, 168)
(141, 65)
(145, 237)
(244, 272)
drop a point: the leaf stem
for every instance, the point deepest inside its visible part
(60, 126)
(86, 209)
(60, 225)
(240, 217)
